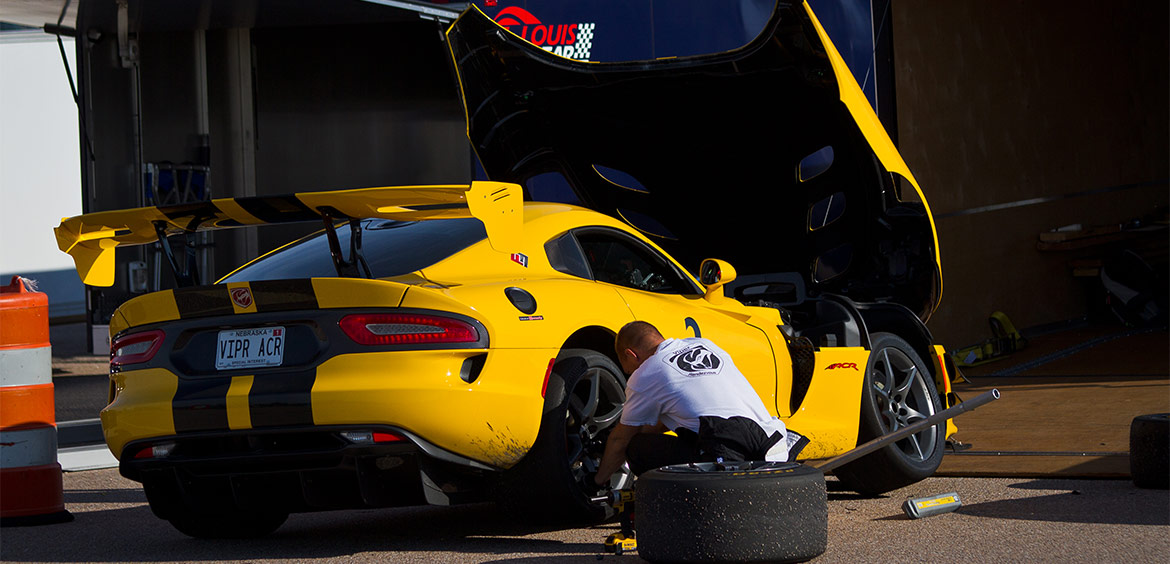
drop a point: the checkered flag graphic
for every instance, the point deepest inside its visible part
(584, 46)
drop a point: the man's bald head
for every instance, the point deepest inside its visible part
(636, 342)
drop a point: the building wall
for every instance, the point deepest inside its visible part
(355, 106)
(274, 98)
(40, 178)
(1012, 101)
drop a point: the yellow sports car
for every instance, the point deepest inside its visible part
(449, 344)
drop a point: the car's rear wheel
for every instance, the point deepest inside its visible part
(898, 392)
(207, 520)
(233, 525)
(555, 479)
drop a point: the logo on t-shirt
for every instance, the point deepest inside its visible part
(696, 361)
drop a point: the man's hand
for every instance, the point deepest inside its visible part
(615, 452)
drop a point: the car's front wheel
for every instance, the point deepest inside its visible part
(555, 479)
(898, 392)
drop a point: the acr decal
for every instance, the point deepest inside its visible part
(241, 297)
(531, 318)
(835, 366)
(521, 259)
(692, 324)
(572, 41)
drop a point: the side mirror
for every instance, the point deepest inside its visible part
(714, 273)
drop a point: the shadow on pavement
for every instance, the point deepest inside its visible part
(1112, 502)
(133, 534)
(118, 495)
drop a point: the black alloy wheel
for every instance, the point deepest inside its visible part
(586, 393)
(899, 391)
(594, 406)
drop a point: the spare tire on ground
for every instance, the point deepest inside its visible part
(1149, 443)
(733, 512)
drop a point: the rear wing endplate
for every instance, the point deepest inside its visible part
(91, 238)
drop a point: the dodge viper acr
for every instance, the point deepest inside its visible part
(453, 344)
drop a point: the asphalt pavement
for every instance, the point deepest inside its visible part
(1001, 520)
(1050, 518)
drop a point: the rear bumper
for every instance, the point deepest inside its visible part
(493, 419)
(301, 469)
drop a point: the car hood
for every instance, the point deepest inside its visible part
(704, 154)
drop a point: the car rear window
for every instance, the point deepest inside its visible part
(391, 248)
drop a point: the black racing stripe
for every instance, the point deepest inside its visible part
(184, 211)
(203, 301)
(191, 216)
(278, 209)
(284, 295)
(282, 398)
(201, 405)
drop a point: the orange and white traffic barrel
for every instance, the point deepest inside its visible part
(31, 491)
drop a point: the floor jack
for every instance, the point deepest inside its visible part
(623, 502)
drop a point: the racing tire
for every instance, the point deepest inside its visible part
(554, 481)
(1149, 443)
(898, 390)
(738, 512)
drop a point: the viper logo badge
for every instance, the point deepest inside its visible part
(241, 297)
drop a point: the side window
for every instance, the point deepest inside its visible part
(565, 256)
(624, 261)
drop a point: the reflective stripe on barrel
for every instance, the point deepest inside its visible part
(30, 478)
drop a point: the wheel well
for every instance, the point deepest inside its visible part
(594, 338)
(899, 320)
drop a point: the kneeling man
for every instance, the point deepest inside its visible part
(692, 387)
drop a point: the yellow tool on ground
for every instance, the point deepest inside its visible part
(623, 502)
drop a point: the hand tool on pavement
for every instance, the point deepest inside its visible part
(920, 507)
(623, 502)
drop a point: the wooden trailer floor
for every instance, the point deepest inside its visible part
(1067, 402)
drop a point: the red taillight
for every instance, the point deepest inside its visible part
(161, 450)
(136, 347)
(368, 437)
(387, 437)
(406, 329)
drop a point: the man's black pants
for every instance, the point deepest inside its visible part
(735, 439)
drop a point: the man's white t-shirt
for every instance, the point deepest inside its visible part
(689, 378)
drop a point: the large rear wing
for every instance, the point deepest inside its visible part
(91, 238)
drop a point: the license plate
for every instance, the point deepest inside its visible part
(249, 348)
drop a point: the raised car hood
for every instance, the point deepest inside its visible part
(703, 153)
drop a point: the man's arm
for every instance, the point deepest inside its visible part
(615, 448)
